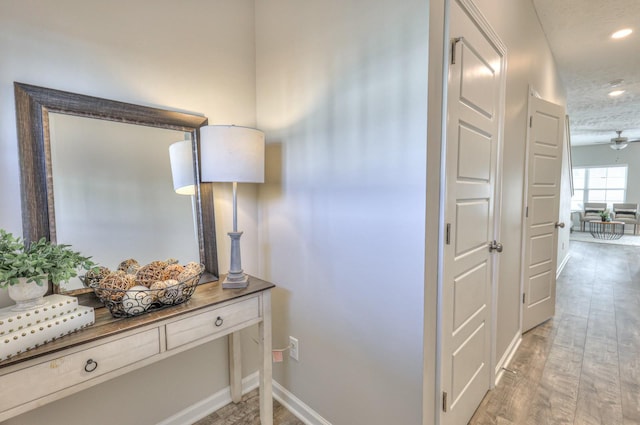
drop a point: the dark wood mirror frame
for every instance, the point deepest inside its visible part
(33, 105)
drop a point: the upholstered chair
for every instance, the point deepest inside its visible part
(626, 213)
(592, 211)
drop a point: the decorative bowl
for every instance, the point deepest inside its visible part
(140, 299)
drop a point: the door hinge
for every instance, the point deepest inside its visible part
(444, 401)
(531, 121)
(448, 234)
(523, 297)
(526, 212)
(454, 42)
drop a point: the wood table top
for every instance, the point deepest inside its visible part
(606, 222)
(206, 295)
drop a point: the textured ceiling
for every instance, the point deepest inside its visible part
(579, 33)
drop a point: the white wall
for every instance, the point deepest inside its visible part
(342, 97)
(604, 155)
(192, 55)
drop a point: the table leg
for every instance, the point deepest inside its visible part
(264, 336)
(235, 367)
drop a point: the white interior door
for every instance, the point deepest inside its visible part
(474, 119)
(544, 167)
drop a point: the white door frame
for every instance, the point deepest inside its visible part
(484, 25)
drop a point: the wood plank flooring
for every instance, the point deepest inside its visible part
(583, 366)
(247, 412)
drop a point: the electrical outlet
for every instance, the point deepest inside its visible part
(293, 348)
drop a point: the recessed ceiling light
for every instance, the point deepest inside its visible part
(622, 33)
(616, 93)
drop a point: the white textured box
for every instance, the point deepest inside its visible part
(55, 305)
(46, 331)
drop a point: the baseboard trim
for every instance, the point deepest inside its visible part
(507, 357)
(207, 406)
(296, 406)
(216, 401)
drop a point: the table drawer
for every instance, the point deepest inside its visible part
(211, 322)
(46, 378)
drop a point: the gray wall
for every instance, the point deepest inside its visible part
(342, 96)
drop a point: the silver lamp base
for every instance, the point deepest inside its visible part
(236, 282)
(236, 278)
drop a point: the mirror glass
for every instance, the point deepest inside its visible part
(95, 173)
(113, 192)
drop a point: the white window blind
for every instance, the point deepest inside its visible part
(599, 184)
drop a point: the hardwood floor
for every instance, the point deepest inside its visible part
(247, 412)
(583, 366)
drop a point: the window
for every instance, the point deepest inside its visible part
(598, 184)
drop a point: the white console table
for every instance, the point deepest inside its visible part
(112, 347)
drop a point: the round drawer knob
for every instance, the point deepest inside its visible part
(219, 321)
(90, 366)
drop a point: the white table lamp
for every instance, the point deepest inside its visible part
(232, 154)
(181, 157)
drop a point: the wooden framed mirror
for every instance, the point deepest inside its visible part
(37, 108)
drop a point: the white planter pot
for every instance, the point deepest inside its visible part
(27, 295)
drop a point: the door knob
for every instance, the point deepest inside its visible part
(495, 246)
(560, 224)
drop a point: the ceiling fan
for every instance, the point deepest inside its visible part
(619, 142)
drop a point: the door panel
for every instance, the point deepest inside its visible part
(476, 75)
(467, 365)
(475, 150)
(469, 292)
(544, 170)
(473, 222)
(474, 104)
(540, 287)
(542, 211)
(540, 247)
(546, 131)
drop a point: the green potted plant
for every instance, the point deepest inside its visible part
(604, 215)
(25, 268)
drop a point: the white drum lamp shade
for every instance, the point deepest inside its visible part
(181, 157)
(232, 154)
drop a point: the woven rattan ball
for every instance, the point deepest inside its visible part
(193, 268)
(172, 271)
(158, 289)
(116, 284)
(151, 273)
(190, 274)
(129, 266)
(94, 276)
(193, 265)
